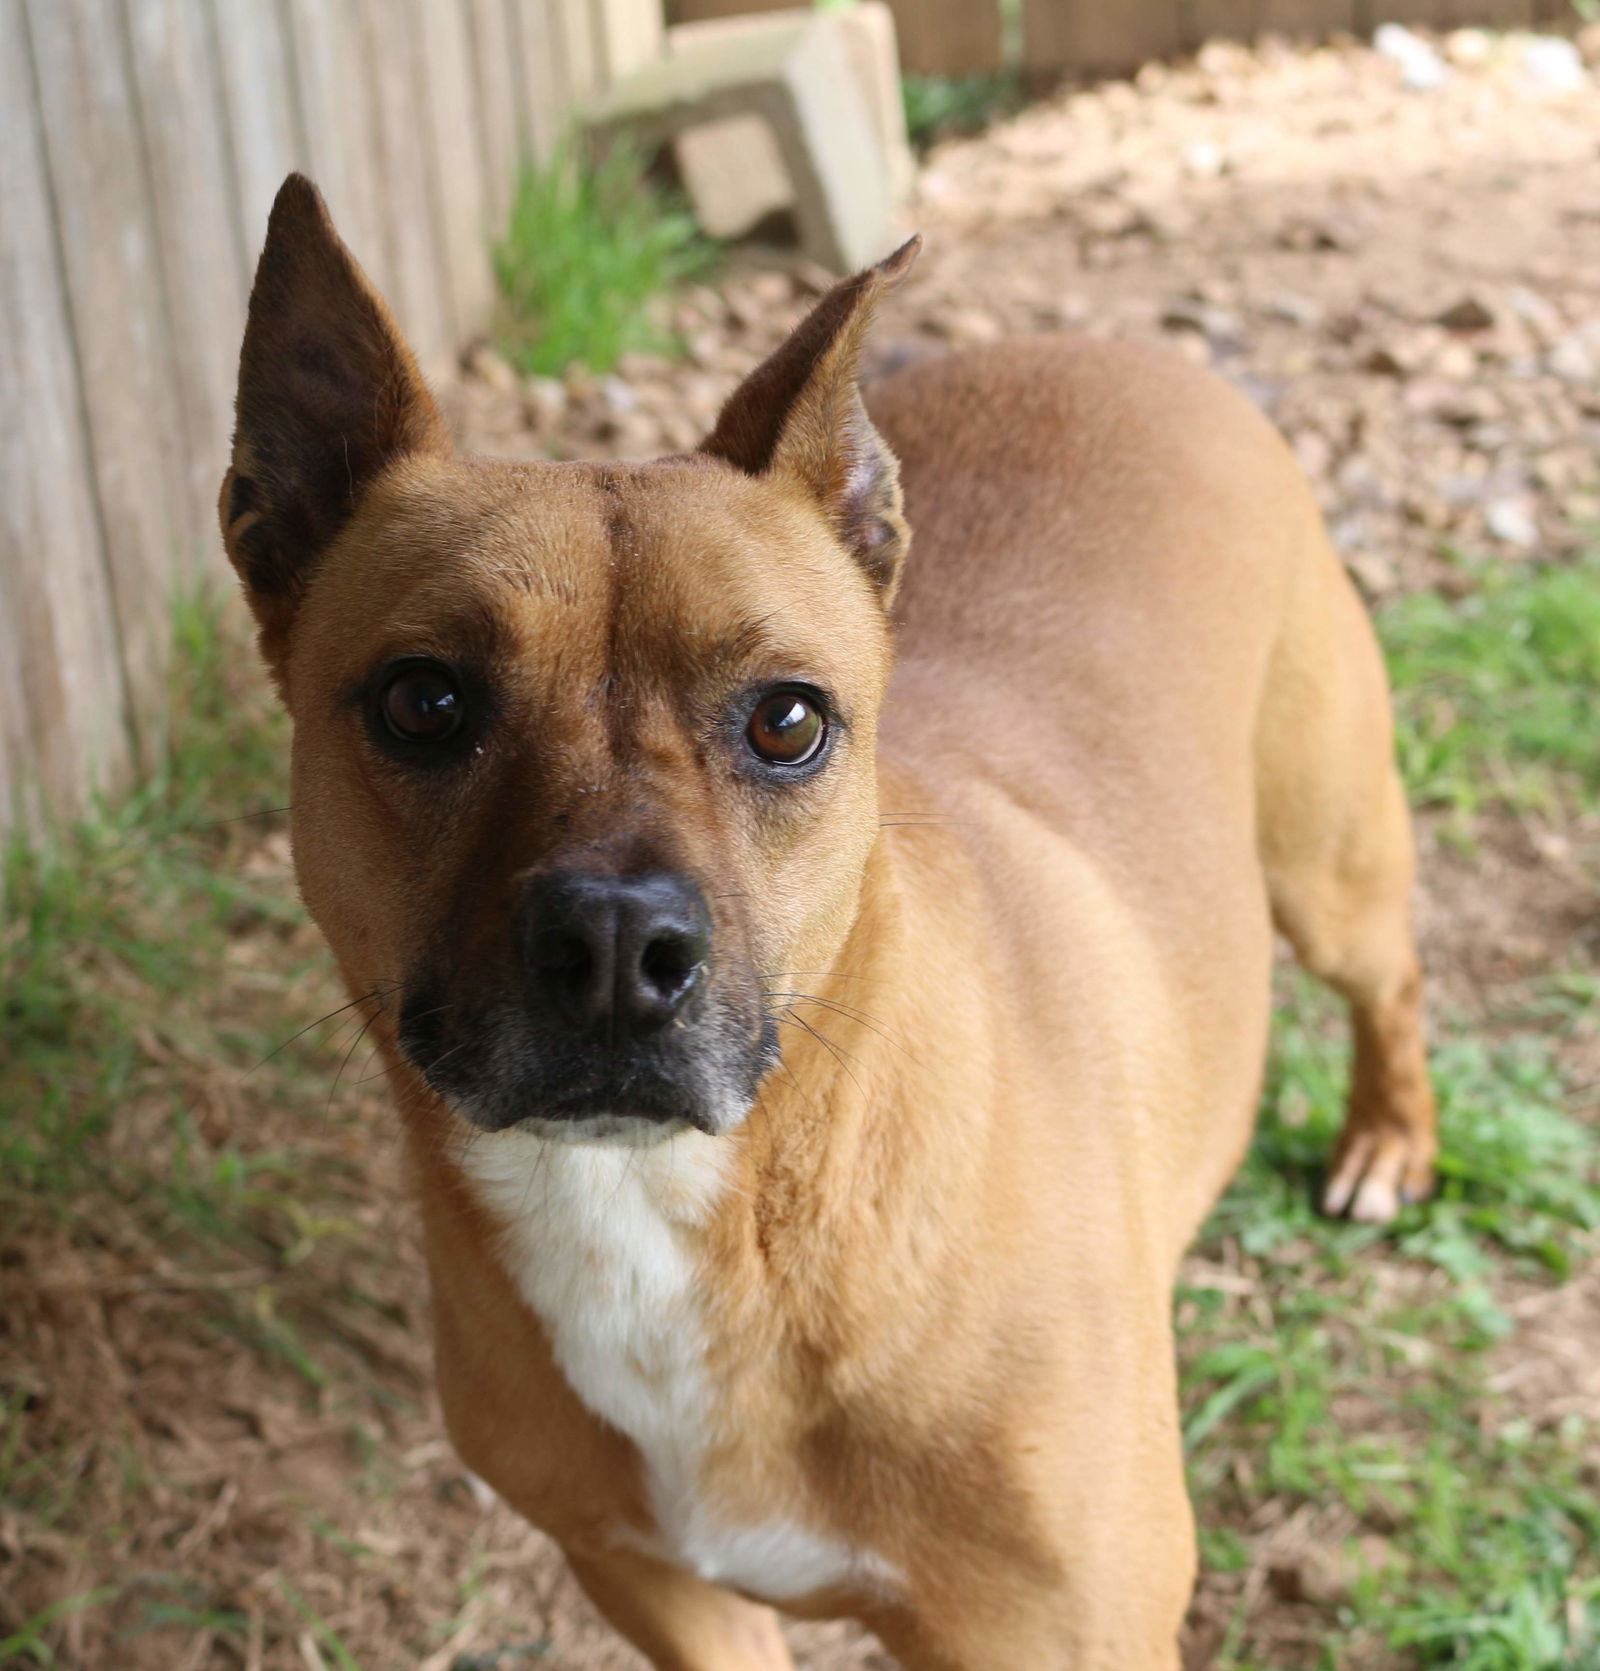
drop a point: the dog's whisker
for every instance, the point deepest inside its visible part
(851, 1014)
(839, 1053)
(237, 818)
(365, 998)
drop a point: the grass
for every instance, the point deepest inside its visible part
(88, 989)
(1342, 1379)
(1495, 690)
(151, 957)
(941, 106)
(1339, 1382)
(1355, 1381)
(587, 253)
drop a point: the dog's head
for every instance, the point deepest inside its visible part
(583, 754)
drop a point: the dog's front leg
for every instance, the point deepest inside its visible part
(681, 1623)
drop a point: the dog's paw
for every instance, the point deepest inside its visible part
(1375, 1173)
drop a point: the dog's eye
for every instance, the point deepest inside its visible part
(422, 703)
(787, 728)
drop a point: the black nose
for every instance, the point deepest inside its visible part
(622, 953)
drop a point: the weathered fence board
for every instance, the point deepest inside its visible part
(60, 670)
(1064, 37)
(415, 286)
(335, 95)
(627, 35)
(949, 37)
(443, 69)
(494, 78)
(120, 320)
(577, 50)
(1300, 19)
(263, 129)
(539, 88)
(1208, 20)
(201, 250)
(141, 145)
(1087, 35)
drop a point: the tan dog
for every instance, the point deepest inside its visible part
(603, 793)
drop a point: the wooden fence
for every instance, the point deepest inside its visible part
(1050, 38)
(141, 143)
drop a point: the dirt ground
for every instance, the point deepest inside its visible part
(1408, 282)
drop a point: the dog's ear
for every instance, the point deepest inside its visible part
(799, 416)
(329, 396)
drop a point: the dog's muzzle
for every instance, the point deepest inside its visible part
(609, 1020)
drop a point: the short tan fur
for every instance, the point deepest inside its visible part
(1102, 708)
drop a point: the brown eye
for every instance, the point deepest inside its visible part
(422, 704)
(787, 728)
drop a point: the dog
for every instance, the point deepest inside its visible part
(823, 984)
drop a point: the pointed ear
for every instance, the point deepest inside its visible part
(329, 396)
(799, 415)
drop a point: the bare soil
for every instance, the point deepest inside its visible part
(1409, 283)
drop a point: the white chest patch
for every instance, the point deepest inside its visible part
(598, 1238)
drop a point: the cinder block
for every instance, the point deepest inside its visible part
(734, 173)
(794, 73)
(868, 29)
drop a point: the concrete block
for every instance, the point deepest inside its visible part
(734, 174)
(870, 39)
(794, 73)
(868, 29)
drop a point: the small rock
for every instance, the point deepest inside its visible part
(1471, 313)
(1457, 361)
(1459, 404)
(744, 306)
(1204, 160)
(1539, 315)
(811, 278)
(1193, 346)
(1296, 310)
(702, 397)
(1349, 534)
(1572, 360)
(1553, 65)
(1263, 391)
(1512, 522)
(1216, 324)
(1461, 491)
(493, 369)
(1325, 1577)
(969, 326)
(1399, 357)
(1308, 1575)
(1360, 479)
(771, 289)
(1313, 451)
(705, 349)
(636, 368)
(1322, 232)
(1066, 312)
(1426, 510)
(544, 403)
(1421, 68)
(635, 435)
(1470, 49)
(1110, 217)
(680, 433)
(1557, 471)
(617, 396)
